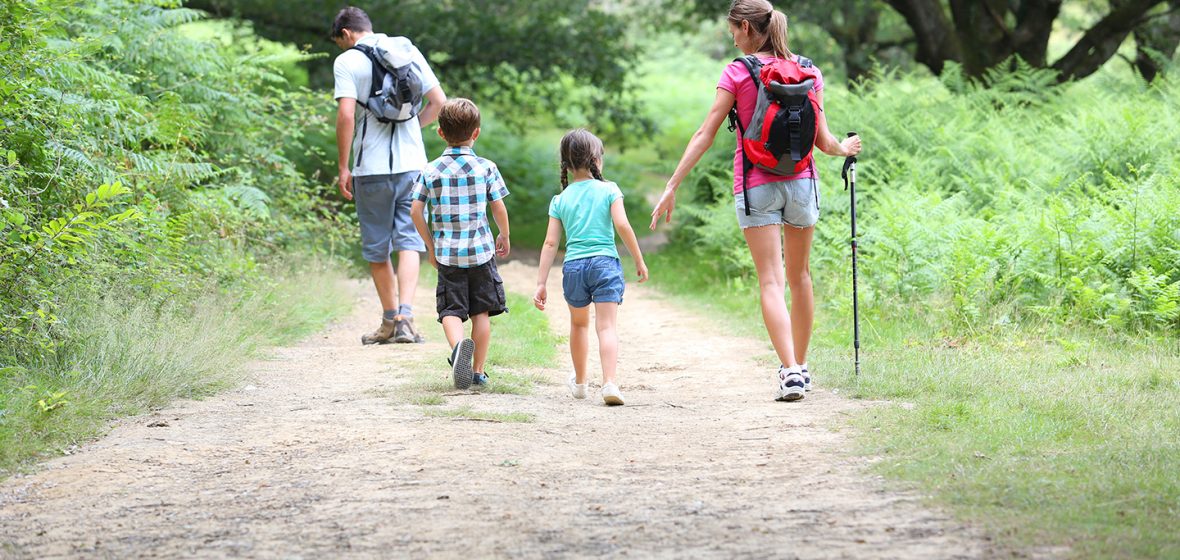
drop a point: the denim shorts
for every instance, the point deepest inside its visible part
(383, 209)
(592, 280)
(794, 203)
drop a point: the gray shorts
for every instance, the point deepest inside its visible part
(794, 203)
(383, 209)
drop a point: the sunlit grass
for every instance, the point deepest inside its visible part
(1047, 435)
(127, 356)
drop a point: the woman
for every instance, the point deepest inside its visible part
(775, 201)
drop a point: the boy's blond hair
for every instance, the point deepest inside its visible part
(458, 120)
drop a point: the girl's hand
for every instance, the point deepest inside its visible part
(851, 146)
(666, 205)
(430, 255)
(540, 297)
(641, 271)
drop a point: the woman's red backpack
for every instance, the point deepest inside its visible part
(781, 136)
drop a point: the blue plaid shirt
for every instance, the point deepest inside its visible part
(458, 185)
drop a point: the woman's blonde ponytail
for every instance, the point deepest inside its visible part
(764, 20)
(776, 35)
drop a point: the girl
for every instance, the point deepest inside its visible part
(586, 210)
(758, 29)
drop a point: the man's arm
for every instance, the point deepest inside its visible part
(435, 99)
(345, 127)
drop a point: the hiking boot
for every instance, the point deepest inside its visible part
(382, 335)
(405, 332)
(460, 361)
(611, 395)
(790, 384)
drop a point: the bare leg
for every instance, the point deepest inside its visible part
(766, 248)
(408, 263)
(797, 243)
(580, 340)
(382, 273)
(481, 333)
(453, 328)
(605, 315)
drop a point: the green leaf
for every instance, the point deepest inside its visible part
(12, 158)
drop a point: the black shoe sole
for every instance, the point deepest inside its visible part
(461, 371)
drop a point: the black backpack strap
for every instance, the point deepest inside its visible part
(360, 153)
(754, 67)
(378, 73)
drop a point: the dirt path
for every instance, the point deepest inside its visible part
(315, 458)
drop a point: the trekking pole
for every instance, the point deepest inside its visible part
(849, 176)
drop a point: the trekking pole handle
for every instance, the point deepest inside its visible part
(849, 166)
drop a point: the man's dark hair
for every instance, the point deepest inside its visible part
(353, 19)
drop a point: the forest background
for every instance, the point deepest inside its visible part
(167, 208)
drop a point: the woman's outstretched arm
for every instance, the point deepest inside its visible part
(701, 141)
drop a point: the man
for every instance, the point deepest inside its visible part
(386, 161)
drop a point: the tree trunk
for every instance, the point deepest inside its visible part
(937, 42)
(1101, 41)
(1159, 37)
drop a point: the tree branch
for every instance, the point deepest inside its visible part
(1101, 41)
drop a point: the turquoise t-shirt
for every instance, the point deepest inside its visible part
(584, 211)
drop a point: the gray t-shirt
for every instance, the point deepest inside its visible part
(354, 77)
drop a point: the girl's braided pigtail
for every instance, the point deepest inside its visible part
(565, 181)
(594, 172)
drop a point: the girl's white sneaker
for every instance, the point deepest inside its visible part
(611, 395)
(578, 391)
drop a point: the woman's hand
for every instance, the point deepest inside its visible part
(851, 146)
(666, 205)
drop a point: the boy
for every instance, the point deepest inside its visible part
(459, 185)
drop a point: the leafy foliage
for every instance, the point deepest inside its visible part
(137, 159)
(570, 60)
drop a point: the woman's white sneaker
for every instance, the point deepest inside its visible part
(578, 391)
(806, 377)
(790, 384)
(611, 395)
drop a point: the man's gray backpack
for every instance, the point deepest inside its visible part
(396, 95)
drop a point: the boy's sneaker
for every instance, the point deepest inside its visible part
(479, 380)
(460, 361)
(806, 377)
(382, 334)
(405, 332)
(611, 395)
(578, 391)
(790, 384)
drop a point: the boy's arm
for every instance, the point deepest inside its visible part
(500, 215)
(618, 214)
(417, 213)
(548, 251)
